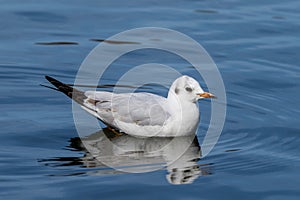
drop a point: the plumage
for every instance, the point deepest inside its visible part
(144, 114)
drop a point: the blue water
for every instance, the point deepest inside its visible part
(255, 44)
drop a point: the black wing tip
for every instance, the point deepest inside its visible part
(71, 92)
(56, 83)
(50, 79)
(60, 86)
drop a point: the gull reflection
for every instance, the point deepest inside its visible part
(113, 153)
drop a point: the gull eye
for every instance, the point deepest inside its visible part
(188, 89)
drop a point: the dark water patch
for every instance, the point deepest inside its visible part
(206, 11)
(42, 16)
(62, 161)
(278, 17)
(56, 43)
(269, 30)
(114, 41)
(232, 150)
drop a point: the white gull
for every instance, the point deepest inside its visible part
(144, 114)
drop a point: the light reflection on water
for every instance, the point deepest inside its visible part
(110, 153)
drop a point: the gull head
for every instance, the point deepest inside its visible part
(187, 88)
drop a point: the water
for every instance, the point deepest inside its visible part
(255, 45)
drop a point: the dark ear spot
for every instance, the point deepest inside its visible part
(176, 90)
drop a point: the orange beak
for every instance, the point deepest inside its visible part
(207, 95)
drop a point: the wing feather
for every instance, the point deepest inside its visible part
(142, 109)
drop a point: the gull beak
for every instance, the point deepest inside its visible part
(207, 95)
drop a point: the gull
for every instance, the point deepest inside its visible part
(144, 114)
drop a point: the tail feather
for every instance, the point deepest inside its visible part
(77, 95)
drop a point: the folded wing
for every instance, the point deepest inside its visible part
(128, 110)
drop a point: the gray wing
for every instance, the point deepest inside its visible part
(143, 109)
(122, 111)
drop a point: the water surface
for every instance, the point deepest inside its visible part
(255, 45)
